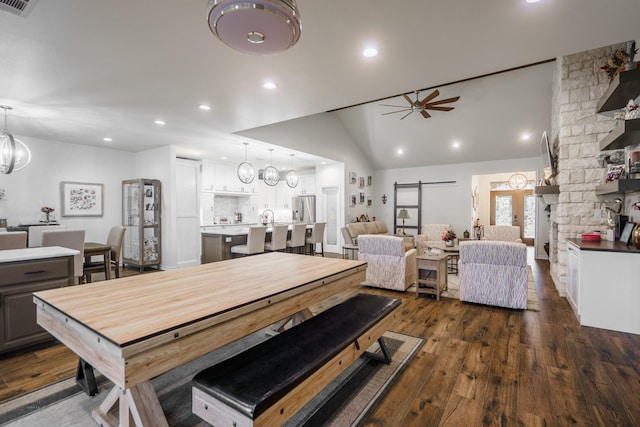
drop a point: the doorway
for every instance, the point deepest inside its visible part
(515, 207)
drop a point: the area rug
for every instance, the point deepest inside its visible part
(453, 290)
(347, 401)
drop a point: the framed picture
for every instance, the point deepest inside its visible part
(352, 177)
(625, 236)
(369, 180)
(81, 199)
(369, 201)
(353, 200)
(361, 197)
(361, 184)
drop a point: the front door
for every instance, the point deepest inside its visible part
(515, 207)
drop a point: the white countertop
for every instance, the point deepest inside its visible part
(12, 255)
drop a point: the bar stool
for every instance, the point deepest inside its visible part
(255, 242)
(317, 237)
(278, 239)
(298, 235)
(13, 240)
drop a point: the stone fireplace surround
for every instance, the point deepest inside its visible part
(576, 130)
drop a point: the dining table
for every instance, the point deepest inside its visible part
(136, 328)
(99, 249)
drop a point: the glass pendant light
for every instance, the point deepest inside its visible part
(246, 173)
(271, 174)
(14, 154)
(292, 176)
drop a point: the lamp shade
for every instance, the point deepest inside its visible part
(403, 214)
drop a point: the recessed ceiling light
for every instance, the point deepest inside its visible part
(159, 122)
(370, 52)
(223, 158)
(323, 163)
(107, 139)
(525, 136)
(204, 107)
(532, 1)
(400, 151)
(269, 85)
(455, 144)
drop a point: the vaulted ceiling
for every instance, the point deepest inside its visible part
(78, 71)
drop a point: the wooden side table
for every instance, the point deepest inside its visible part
(432, 274)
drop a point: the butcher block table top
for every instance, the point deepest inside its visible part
(135, 328)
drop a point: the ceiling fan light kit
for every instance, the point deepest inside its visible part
(256, 27)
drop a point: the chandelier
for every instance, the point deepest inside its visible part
(246, 173)
(518, 181)
(256, 27)
(14, 154)
(271, 174)
(292, 176)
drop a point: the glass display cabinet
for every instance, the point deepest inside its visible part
(141, 217)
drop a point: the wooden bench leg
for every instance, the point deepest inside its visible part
(137, 406)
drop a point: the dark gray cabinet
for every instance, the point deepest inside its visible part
(18, 281)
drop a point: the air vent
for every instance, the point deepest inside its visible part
(18, 7)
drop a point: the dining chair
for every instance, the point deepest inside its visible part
(278, 239)
(114, 239)
(255, 242)
(67, 238)
(13, 240)
(34, 238)
(297, 240)
(317, 237)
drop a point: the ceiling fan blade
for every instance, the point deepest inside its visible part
(396, 106)
(408, 99)
(444, 101)
(399, 111)
(430, 97)
(425, 114)
(438, 108)
(406, 114)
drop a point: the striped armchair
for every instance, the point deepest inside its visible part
(493, 273)
(389, 266)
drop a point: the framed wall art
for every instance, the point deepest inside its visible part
(369, 180)
(361, 197)
(353, 200)
(352, 177)
(81, 199)
(361, 183)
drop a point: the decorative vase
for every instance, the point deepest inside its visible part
(448, 243)
(635, 236)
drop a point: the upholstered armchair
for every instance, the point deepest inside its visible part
(493, 273)
(503, 233)
(430, 233)
(389, 266)
(356, 229)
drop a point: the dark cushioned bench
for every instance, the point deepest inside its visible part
(268, 383)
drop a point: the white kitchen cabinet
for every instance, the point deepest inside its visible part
(206, 209)
(573, 277)
(306, 185)
(208, 176)
(605, 285)
(226, 179)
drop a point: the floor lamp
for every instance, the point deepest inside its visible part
(403, 214)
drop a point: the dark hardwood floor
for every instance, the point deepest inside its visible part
(479, 365)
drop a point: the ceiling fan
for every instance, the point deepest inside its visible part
(423, 105)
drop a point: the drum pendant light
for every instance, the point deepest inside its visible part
(246, 173)
(14, 154)
(256, 27)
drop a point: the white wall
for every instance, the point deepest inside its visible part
(443, 203)
(159, 163)
(52, 162)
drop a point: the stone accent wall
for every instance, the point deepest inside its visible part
(578, 87)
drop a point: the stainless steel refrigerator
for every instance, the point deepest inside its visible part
(304, 209)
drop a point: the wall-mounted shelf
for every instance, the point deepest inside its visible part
(619, 186)
(623, 87)
(539, 190)
(625, 134)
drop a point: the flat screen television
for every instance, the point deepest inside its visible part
(548, 159)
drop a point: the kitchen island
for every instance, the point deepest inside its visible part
(218, 240)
